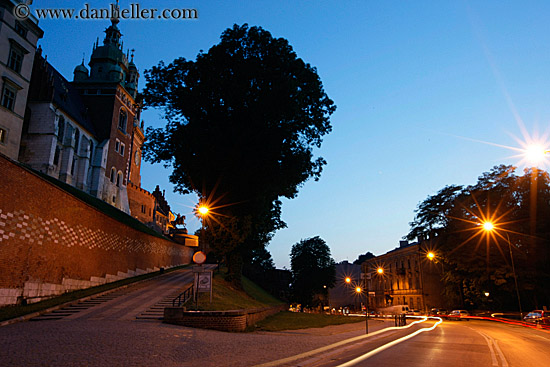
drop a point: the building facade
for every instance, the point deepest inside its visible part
(408, 278)
(18, 41)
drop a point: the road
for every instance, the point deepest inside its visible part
(452, 343)
(122, 328)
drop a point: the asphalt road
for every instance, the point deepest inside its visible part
(451, 344)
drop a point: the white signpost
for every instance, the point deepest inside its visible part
(203, 277)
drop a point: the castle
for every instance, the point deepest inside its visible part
(86, 132)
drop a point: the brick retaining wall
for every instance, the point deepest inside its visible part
(51, 241)
(234, 320)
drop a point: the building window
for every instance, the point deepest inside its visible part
(76, 140)
(15, 60)
(56, 156)
(136, 158)
(117, 145)
(8, 97)
(3, 135)
(60, 129)
(122, 146)
(91, 149)
(72, 166)
(143, 209)
(119, 179)
(113, 175)
(22, 31)
(122, 118)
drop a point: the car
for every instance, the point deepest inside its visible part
(458, 315)
(538, 317)
(441, 312)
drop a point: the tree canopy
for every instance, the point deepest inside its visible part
(475, 260)
(313, 269)
(363, 257)
(242, 122)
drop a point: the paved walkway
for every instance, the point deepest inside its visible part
(109, 333)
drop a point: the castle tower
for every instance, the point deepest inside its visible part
(110, 92)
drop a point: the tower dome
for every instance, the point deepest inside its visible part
(80, 72)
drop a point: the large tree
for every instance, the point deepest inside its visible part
(313, 270)
(474, 260)
(242, 122)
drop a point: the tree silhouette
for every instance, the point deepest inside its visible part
(313, 269)
(243, 120)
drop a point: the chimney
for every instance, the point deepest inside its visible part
(403, 243)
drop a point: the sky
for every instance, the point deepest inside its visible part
(428, 94)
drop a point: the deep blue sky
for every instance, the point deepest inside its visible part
(419, 86)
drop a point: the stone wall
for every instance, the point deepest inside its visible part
(234, 320)
(52, 242)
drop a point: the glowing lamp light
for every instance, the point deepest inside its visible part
(488, 226)
(380, 271)
(430, 255)
(358, 290)
(535, 153)
(203, 210)
(348, 280)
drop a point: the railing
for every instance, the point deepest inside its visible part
(184, 296)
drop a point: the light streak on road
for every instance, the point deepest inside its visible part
(340, 343)
(392, 343)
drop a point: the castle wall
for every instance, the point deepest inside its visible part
(51, 241)
(141, 202)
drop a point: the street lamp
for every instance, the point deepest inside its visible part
(367, 276)
(490, 227)
(202, 212)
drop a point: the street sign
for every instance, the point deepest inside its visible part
(199, 257)
(204, 281)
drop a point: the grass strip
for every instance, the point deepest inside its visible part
(226, 297)
(11, 312)
(300, 320)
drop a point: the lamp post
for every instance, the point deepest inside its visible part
(490, 227)
(202, 211)
(366, 277)
(515, 276)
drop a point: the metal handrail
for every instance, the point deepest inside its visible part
(184, 296)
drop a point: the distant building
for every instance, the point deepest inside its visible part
(409, 278)
(18, 41)
(343, 294)
(162, 215)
